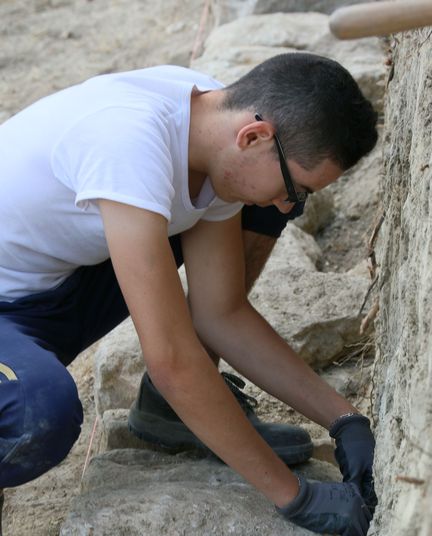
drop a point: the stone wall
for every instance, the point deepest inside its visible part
(403, 371)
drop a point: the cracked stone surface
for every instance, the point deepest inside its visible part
(143, 493)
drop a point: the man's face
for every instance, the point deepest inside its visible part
(256, 178)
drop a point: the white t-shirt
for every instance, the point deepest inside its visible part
(122, 137)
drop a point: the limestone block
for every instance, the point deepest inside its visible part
(359, 186)
(233, 49)
(116, 434)
(350, 379)
(118, 367)
(290, 30)
(229, 64)
(227, 10)
(296, 249)
(318, 212)
(144, 493)
(317, 313)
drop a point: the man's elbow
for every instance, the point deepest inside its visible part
(209, 322)
(168, 370)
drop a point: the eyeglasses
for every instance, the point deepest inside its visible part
(293, 195)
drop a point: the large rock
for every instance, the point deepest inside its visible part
(118, 367)
(116, 434)
(144, 493)
(351, 378)
(345, 238)
(287, 6)
(233, 49)
(295, 30)
(317, 313)
(318, 212)
(227, 10)
(357, 191)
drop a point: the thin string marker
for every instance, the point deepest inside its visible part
(90, 446)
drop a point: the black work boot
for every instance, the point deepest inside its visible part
(153, 420)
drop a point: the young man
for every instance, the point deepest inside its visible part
(144, 170)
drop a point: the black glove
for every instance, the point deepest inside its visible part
(328, 508)
(355, 445)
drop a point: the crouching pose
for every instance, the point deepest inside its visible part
(105, 189)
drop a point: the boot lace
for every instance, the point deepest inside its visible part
(247, 402)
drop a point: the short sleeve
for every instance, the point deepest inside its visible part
(117, 153)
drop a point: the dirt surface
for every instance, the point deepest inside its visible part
(50, 44)
(46, 45)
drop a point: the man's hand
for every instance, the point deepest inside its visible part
(354, 453)
(329, 507)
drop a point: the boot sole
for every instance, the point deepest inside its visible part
(173, 436)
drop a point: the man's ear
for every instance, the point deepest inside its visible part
(254, 133)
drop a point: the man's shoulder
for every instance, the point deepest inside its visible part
(169, 75)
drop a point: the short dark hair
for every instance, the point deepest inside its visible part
(315, 105)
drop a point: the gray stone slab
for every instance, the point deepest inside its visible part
(145, 493)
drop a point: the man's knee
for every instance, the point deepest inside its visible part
(38, 427)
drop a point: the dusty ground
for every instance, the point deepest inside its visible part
(49, 44)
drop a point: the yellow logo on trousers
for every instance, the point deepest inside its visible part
(8, 372)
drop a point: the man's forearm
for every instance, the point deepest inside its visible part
(200, 397)
(246, 341)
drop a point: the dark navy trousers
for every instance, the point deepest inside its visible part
(40, 412)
